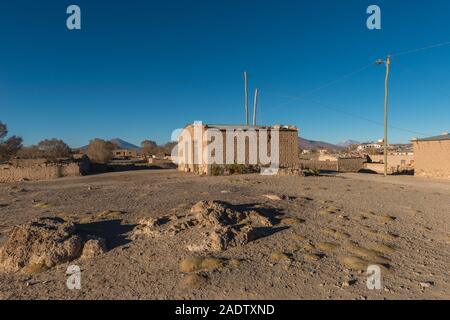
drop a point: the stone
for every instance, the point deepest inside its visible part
(93, 248)
(40, 245)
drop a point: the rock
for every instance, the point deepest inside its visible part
(199, 207)
(194, 281)
(93, 248)
(426, 284)
(348, 283)
(223, 238)
(273, 197)
(40, 245)
(222, 226)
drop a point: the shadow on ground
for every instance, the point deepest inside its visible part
(113, 231)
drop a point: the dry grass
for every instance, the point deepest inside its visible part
(279, 256)
(311, 257)
(383, 248)
(42, 205)
(194, 264)
(35, 268)
(327, 246)
(336, 233)
(370, 255)
(354, 263)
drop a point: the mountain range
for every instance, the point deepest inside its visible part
(303, 143)
(306, 144)
(348, 143)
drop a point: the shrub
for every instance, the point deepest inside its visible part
(54, 149)
(235, 168)
(216, 170)
(8, 147)
(100, 151)
(149, 147)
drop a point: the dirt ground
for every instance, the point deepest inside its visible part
(329, 224)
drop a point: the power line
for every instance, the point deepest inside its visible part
(326, 85)
(442, 44)
(353, 115)
(340, 79)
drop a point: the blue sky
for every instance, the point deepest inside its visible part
(140, 69)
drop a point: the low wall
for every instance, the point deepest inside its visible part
(342, 165)
(39, 170)
(319, 165)
(351, 164)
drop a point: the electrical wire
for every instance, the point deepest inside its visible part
(326, 85)
(438, 45)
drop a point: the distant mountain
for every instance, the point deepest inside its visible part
(347, 143)
(305, 144)
(121, 144)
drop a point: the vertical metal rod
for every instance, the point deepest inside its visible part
(255, 103)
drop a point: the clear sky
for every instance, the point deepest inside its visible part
(139, 69)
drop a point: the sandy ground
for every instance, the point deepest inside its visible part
(409, 216)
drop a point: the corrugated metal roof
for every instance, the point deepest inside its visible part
(237, 127)
(436, 138)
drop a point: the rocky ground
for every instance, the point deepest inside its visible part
(264, 238)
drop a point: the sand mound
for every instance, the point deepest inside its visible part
(222, 225)
(40, 245)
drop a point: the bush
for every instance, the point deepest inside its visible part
(100, 151)
(235, 168)
(8, 147)
(31, 152)
(216, 170)
(54, 149)
(149, 147)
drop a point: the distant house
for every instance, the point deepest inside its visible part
(125, 153)
(376, 145)
(432, 156)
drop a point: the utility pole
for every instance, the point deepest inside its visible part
(246, 99)
(386, 91)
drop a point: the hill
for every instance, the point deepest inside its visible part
(122, 144)
(348, 143)
(306, 144)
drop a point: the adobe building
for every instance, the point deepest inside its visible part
(432, 156)
(125, 153)
(254, 141)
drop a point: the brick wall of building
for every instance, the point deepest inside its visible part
(432, 159)
(288, 150)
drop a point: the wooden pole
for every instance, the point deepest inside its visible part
(386, 91)
(246, 99)
(255, 103)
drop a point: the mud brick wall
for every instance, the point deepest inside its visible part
(432, 159)
(288, 150)
(319, 165)
(351, 164)
(13, 173)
